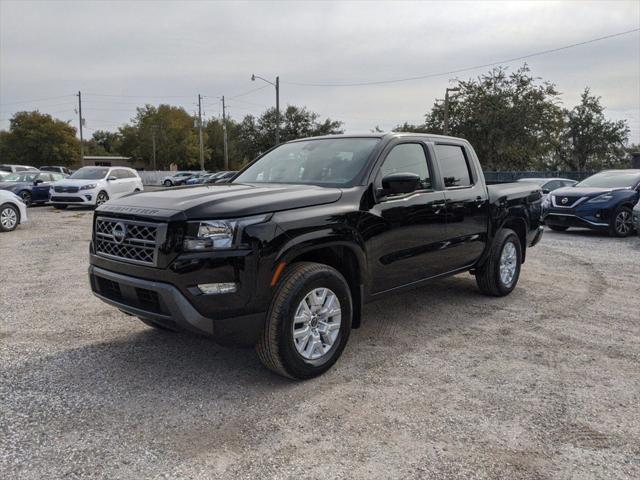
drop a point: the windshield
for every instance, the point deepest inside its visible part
(90, 173)
(21, 177)
(538, 181)
(328, 162)
(611, 180)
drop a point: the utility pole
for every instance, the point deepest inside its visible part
(81, 139)
(277, 110)
(200, 132)
(224, 136)
(154, 129)
(277, 85)
(445, 130)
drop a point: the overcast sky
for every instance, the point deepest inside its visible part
(123, 54)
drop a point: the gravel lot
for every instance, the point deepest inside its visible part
(440, 382)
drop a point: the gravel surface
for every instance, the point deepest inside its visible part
(440, 382)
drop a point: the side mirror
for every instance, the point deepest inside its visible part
(38, 181)
(111, 178)
(399, 183)
(546, 190)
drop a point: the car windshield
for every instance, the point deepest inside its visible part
(21, 177)
(611, 180)
(326, 162)
(537, 181)
(90, 173)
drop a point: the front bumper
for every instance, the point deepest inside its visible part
(566, 219)
(166, 305)
(82, 197)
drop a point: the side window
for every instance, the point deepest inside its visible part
(453, 165)
(553, 185)
(407, 158)
(119, 173)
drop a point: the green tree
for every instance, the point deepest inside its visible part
(589, 141)
(38, 139)
(109, 141)
(175, 133)
(512, 120)
(257, 135)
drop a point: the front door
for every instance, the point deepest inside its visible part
(405, 232)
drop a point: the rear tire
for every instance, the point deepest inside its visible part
(558, 228)
(499, 275)
(314, 301)
(622, 223)
(157, 326)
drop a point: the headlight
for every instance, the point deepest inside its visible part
(605, 197)
(89, 187)
(218, 234)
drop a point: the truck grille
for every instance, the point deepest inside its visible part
(128, 240)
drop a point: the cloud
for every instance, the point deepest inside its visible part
(159, 51)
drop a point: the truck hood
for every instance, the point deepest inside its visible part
(221, 201)
(583, 191)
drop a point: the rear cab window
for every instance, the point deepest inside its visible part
(454, 166)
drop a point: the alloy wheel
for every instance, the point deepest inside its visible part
(508, 263)
(623, 222)
(317, 323)
(101, 198)
(8, 218)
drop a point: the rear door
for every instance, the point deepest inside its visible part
(467, 204)
(405, 232)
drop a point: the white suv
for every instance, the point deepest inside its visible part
(94, 186)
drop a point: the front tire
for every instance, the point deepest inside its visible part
(26, 197)
(9, 217)
(622, 223)
(102, 198)
(168, 183)
(499, 274)
(558, 228)
(308, 322)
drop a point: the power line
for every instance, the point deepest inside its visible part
(137, 96)
(36, 100)
(460, 70)
(248, 92)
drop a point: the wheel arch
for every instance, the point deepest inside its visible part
(519, 225)
(345, 256)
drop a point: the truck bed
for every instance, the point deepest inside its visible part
(510, 191)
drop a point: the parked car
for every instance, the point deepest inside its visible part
(603, 201)
(636, 217)
(548, 185)
(197, 178)
(30, 186)
(13, 211)
(94, 186)
(285, 256)
(63, 170)
(177, 179)
(17, 168)
(225, 177)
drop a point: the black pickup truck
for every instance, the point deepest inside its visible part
(285, 255)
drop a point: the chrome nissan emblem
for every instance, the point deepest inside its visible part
(565, 200)
(119, 232)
